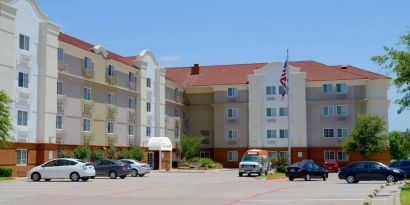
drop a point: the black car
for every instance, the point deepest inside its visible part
(403, 165)
(307, 170)
(370, 171)
(111, 168)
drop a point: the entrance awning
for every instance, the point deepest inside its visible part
(159, 144)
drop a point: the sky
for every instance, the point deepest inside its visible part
(213, 32)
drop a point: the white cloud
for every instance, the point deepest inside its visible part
(168, 59)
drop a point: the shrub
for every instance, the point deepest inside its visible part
(6, 172)
(281, 168)
(111, 152)
(124, 154)
(207, 162)
(81, 152)
(215, 165)
(98, 155)
(136, 153)
(65, 154)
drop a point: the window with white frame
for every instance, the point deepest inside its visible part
(87, 93)
(342, 132)
(59, 122)
(88, 64)
(283, 154)
(282, 89)
(232, 156)
(283, 133)
(131, 77)
(148, 107)
(24, 42)
(232, 134)
(341, 88)
(270, 90)
(86, 125)
(232, 92)
(21, 157)
(130, 130)
(110, 98)
(59, 88)
(328, 132)
(341, 110)
(283, 111)
(60, 54)
(204, 154)
(131, 103)
(329, 155)
(176, 92)
(111, 70)
(148, 82)
(148, 131)
(22, 118)
(342, 156)
(232, 112)
(327, 88)
(270, 112)
(23, 80)
(110, 127)
(176, 133)
(270, 134)
(328, 110)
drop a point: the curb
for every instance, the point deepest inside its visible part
(276, 178)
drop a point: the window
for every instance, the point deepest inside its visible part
(373, 165)
(327, 88)
(270, 134)
(273, 155)
(148, 82)
(329, 155)
(111, 70)
(88, 64)
(232, 112)
(342, 156)
(24, 42)
(148, 131)
(341, 88)
(110, 98)
(60, 54)
(232, 156)
(270, 112)
(86, 125)
(87, 93)
(270, 90)
(23, 80)
(176, 112)
(342, 132)
(59, 122)
(281, 90)
(283, 133)
(232, 92)
(283, 154)
(148, 107)
(328, 132)
(21, 157)
(176, 133)
(22, 118)
(283, 111)
(130, 130)
(232, 134)
(341, 110)
(176, 92)
(131, 103)
(328, 110)
(204, 154)
(131, 77)
(110, 127)
(59, 88)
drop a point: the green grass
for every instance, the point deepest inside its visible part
(405, 194)
(6, 178)
(272, 175)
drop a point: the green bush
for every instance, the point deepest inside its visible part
(81, 152)
(6, 172)
(98, 155)
(281, 168)
(111, 152)
(136, 153)
(124, 154)
(207, 162)
(65, 154)
(215, 165)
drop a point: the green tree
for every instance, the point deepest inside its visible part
(397, 59)
(367, 136)
(98, 155)
(81, 152)
(190, 146)
(399, 145)
(5, 120)
(136, 153)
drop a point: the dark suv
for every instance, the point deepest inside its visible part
(370, 171)
(403, 165)
(111, 168)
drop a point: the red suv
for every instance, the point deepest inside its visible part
(331, 166)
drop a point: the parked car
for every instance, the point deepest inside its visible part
(137, 168)
(112, 168)
(64, 168)
(306, 170)
(370, 171)
(403, 165)
(331, 166)
(254, 161)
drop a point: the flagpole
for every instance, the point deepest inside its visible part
(287, 88)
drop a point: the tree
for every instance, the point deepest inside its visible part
(367, 136)
(97, 155)
(81, 152)
(5, 120)
(397, 59)
(190, 146)
(137, 153)
(399, 145)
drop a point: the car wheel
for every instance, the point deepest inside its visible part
(307, 177)
(123, 176)
(141, 175)
(74, 177)
(324, 177)
(351, 179)
(35, 176)
(112, 175)
(134, 172)
(240, 174)
(47, 180)
(92, 177)
(390, 179)
(84, 179)
(291, 178)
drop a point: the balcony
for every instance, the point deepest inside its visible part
(62, 66)
(132, 85)
(88, 73)
(232, 120)
(87, 137)
(271, 120)
(87, 107)
(60, 98)
(60, 107)
(131, 116)
(231, 99)
(111, 138)
(111, 79)
(233, 141)
(111, 111)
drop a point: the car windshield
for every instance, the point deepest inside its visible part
(298, 164)
(250, 158)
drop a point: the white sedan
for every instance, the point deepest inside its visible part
(64, 168)
(137, 168)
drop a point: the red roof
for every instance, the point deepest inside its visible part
(238, 73)
(89, 47)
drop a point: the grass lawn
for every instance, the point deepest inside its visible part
(405, 194)
(272, 175)
(6, 178)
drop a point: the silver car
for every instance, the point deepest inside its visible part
(137, 168)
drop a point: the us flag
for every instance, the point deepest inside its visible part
(283, 77)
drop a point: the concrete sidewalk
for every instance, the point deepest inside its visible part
(388, 194)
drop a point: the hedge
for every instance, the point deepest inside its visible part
(6, 172)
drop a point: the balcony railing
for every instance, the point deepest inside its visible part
(111, 79)
(111, 111)
(111, 138)
(87, 107)
(62, 66)
(88, 73)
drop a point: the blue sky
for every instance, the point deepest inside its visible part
(211, 32)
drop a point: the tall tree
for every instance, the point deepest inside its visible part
(5, 120)
(397, 59)
(399, 145)
(190, 146)
(367, 136)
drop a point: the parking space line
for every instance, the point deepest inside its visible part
(254, 196)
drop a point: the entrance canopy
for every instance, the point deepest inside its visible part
(159, 144)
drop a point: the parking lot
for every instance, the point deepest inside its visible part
(219, 187)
